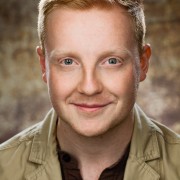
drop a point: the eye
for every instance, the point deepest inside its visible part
(113, 61)
(67, 61)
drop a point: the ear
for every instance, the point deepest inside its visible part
(144, 61)
(42, 62)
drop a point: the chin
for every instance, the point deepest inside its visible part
(91, 132)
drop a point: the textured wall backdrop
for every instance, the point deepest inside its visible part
(23, 96)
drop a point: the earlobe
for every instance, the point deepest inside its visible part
(144, 62)
(42, 63)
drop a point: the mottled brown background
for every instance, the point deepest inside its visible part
(23, 96)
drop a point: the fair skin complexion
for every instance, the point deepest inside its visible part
(89, 67)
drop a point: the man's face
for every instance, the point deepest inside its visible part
(90, 68)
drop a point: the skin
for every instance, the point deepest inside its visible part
(92, 69)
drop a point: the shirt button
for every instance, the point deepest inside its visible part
(66, 158)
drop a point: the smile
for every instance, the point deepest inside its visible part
(89, 108)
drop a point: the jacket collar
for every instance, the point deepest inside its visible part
(43, 150)
(144, 145)
(144, 148)
(44, 142)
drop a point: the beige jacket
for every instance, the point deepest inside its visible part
(31, 155)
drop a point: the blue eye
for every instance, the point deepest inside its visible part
(68, 61)
(113, 61)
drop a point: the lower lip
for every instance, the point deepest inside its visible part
(90, 110)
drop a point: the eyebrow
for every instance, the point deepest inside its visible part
(117, 51)
(56, 53)
(113, 51)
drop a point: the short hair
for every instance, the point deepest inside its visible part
(134, 8)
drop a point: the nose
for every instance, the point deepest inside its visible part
(90, 84)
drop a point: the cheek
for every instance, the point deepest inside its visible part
(61, 84)
(121, 82)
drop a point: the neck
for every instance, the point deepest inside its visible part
(100, 151)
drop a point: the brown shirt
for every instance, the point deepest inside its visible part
(70, 171)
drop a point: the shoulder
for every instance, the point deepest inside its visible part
(157, 144)
(150, 126)
(28, 134)
(14, 153)
(169, 149)
(23, 154)
(169, 142)
(169, 136)
(22, 137)
(161, 139)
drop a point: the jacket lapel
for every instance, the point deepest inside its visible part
(144, 153)
(143, 158)
(43, 161)
(138, 170)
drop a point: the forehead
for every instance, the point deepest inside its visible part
(114, 12)
(94, 26)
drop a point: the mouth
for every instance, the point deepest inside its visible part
(89, 108)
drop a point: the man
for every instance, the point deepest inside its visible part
(92, 58)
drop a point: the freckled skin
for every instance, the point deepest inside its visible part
(89, 67)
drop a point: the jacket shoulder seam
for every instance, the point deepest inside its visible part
(24, 136)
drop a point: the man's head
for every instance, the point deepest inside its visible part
(134, 8)
(92, 65)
